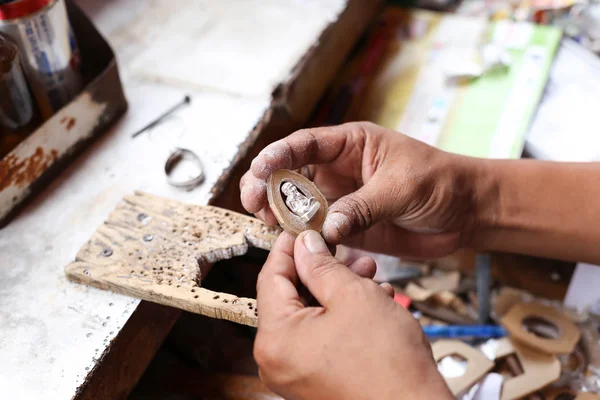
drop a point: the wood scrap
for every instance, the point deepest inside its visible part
(444, 314)
(441, 282)
(156, 249)
(443, 297)
(569, 334)
(539, 369)
(505, 299)
(477, 364)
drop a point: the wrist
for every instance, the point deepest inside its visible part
(479, 179)
(486, 201)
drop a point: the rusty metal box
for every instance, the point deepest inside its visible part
(42, 155)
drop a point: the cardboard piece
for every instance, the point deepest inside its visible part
(289, 221)
(539, 370)
(569, 334)
(446, 282)
(505, 299)
(446, 298)
(478, 365)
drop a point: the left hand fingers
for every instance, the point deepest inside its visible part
(266, 215)
(388, 289)
(253, 193)
(277, 296)
(364, 267)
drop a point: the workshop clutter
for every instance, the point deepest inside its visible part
(526, 347)
(39, 66)
(60, 88)
(579, 19)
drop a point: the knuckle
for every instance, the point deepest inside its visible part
(367, 126)
(362, 211)
(310, 143)
(260, 280)
(269, 353)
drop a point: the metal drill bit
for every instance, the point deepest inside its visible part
(186, 100)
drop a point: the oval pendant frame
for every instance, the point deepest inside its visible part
(288, 220)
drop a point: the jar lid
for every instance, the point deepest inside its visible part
(21, 8)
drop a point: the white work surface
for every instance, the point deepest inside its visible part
(228, 55)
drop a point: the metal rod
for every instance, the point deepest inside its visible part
(483, 265)
(186, 100)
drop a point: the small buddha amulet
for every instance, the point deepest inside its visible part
(297, 214)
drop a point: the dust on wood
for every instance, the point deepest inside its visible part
(156, 249)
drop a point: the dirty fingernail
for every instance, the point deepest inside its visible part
(337, 222)
(314, 242)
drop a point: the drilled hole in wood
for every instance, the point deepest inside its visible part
(541, 327)
(225, 301)
(452, 366)
(196, 296)
(216, 297)
(193, 290)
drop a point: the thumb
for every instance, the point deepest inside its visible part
(321, 273)
(357, 211)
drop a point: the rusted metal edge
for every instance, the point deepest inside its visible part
(47, 151)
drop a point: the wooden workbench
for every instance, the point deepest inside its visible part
(254, 70)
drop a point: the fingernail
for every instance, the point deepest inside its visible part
(314, 242)
(339, 222)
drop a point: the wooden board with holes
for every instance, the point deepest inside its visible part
(156, 249)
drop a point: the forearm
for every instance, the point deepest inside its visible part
(539, 208)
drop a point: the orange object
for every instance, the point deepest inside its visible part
(402, 299)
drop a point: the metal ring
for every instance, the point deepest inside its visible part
(177, 156)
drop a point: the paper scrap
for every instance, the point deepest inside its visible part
(583, 290)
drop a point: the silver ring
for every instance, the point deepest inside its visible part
(184, 155)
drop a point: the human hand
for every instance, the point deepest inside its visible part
(388, 193)
(359, 344)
